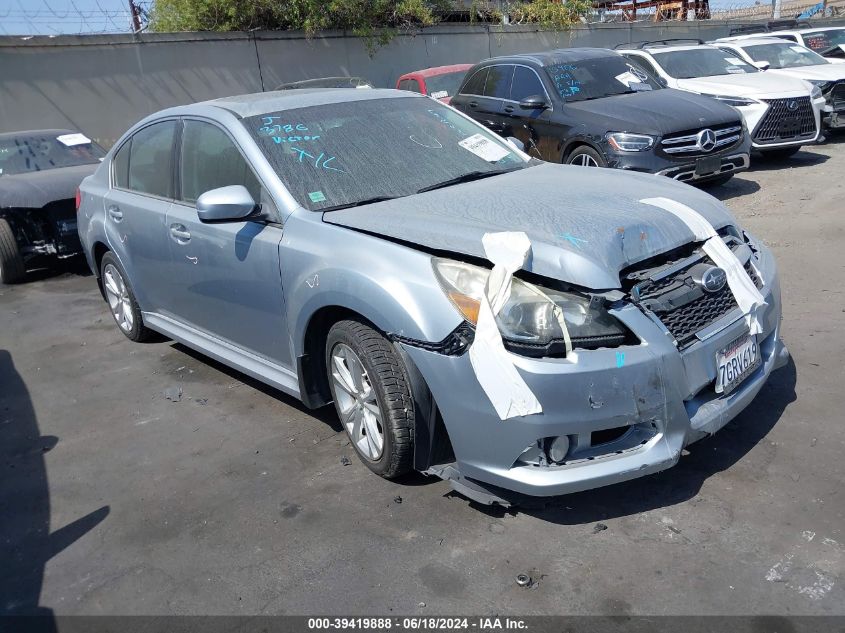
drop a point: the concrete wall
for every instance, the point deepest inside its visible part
(101, 84)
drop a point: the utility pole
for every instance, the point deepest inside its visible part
(136, 16)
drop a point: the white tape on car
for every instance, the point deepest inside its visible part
(748, 298)
(491, 362)
(71, 140)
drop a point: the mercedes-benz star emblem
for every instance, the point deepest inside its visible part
(706, 140)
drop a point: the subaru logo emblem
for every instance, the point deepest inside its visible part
(706, 140)
(713, 279)
(792, 106)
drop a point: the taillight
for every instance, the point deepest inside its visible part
(78, 199)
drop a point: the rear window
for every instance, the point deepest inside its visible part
(40, 152)
(445, 85)
(823, 40)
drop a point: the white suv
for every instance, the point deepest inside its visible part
(826, 40)
(781, 113)
(782, 57)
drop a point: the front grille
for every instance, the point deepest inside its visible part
(674, 299)
(783, 124)
(687, 143)
(837, 96)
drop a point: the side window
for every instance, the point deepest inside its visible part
(525, 84)
(120, 166)
(475, 85)
(151, 160)
(414, 86)
(499, 81)
(405, 84)
(210, 160)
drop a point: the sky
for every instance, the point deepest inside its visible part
(58, 17)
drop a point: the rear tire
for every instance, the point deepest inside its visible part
(586, 156)
(372, 398)
(12, 268)
(123, 306)
(781, 154)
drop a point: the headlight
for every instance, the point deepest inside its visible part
(530, 317)
(624, 142)
(732, 101)
(816, 93)
(821, 85)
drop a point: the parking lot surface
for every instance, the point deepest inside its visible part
(147, 479)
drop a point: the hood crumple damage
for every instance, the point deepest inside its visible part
(585, 224)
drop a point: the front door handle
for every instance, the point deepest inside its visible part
(115, 213)
(180, 233)
(508, 109)
(473, 104)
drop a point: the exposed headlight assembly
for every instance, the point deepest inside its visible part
(736, 102)
(816, 93)
(529, 320)
(624, 142)
(822, 85)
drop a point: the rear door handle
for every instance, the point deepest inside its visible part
(180, 233)
(115, 213)
(473, 104)
(508, 109)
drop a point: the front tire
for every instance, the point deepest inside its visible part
(123, 306)
(372, 398)
(586, 156)
(12, 267)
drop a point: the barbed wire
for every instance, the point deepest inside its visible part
(42, 17)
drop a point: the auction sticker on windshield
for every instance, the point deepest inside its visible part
(736, 362)
(484, 148)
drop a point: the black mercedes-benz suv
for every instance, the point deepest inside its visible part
(593, 107)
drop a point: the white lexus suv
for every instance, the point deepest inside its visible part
(780, 57)
(781, 113)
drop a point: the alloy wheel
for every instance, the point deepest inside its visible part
(357, 402)
(117, 294)
(585, 160)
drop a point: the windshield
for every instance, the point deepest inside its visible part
(346, 153)
(701, 62)
(784, 55)
(597, 78)
(35, 152)
(445, 85)
(823, 40)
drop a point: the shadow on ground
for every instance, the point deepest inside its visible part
(682, 482)
(801, 160)
(736, 187)
(26, 543)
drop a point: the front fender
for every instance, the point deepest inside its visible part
(391, 285)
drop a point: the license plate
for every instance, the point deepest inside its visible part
(707, 166)
(789, 127)
(736, 362)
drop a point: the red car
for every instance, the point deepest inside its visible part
(441, 82)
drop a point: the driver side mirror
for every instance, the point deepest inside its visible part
(226, 204)
(761, 65)
(534, 102)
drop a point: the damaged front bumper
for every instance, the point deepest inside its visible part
(626, 412)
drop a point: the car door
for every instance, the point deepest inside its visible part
(229, 271)
(534, 127)
(136, 209)
(476, 100)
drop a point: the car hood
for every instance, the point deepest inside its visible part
(654, 112)
(585, 224)
(754, 85)
(819, 72)
(38, 188)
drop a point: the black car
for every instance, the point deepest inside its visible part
(593, 107)
(40, 172)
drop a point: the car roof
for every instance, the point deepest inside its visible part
(556, 56)
(259, 103)
(750, 40)
(438, 70)
(669, 48)
(51, 132)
